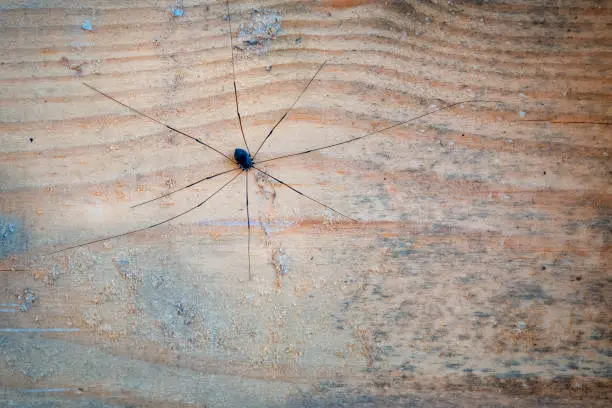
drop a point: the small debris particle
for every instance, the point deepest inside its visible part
(258, 33)
(269, 68)
(31, 140)
(279, 260)
(506, 197)
(75, 67)
(126, 270)
(298, 40)
(28, 299)
(428, 19)
(522, 95)
(178, 12)
(87, 25)
(188, 312)
(522, 114)
(509, 141)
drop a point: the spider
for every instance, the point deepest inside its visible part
(243, 159)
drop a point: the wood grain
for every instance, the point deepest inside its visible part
(478, 273)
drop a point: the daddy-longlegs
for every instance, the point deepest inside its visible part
(243, 159)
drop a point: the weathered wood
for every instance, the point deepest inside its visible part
(479, 271)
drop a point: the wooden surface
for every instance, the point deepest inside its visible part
(478, 273)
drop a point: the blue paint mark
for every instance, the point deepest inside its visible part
(35, 330)
(407, 367)
(39, 390)
(403, 252)
(178, 12)
(12, 237)
(214, 336)
(515, 374)
(87, 25)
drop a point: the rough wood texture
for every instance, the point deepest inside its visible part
(479, 271)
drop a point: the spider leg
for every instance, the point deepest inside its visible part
(229, 26)
(150, 226)
(304, 195)
(160, 122)
(187, 186)
(291, 107)
(374, 132)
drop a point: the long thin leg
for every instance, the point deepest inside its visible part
(304, 195)
(229, 26)
(161, 123)
(291, 107)
(150, 226)
(248, 224)
(187, 186)
(376, 131)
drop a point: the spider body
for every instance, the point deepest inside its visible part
(243, 158)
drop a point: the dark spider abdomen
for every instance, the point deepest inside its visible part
(243, 158)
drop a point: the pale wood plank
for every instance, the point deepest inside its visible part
(479, 272)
